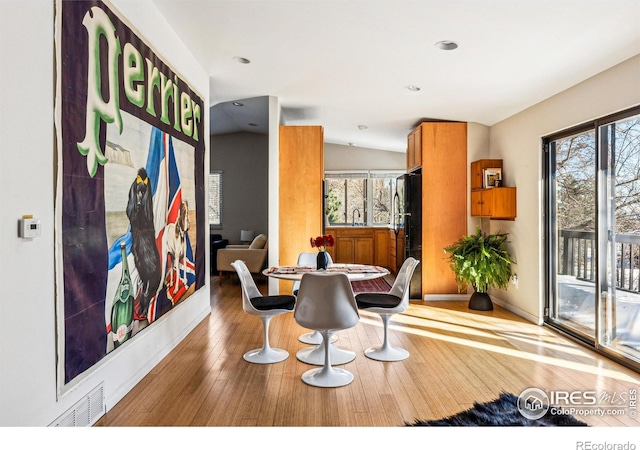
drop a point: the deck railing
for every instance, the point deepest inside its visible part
(578, 258)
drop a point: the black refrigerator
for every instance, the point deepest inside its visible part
(412, 223)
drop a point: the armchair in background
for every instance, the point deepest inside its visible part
(254, 256)
(216, 244)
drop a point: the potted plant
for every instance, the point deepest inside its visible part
(482, 261)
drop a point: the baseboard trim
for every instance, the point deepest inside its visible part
(517, 311)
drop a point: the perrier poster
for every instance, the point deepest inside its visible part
(130, 151)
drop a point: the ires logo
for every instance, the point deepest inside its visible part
(575, 398)
(533, 403)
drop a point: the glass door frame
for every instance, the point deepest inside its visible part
(550, 238)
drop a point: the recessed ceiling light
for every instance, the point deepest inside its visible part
(446, 45)
(237, 104)
(412, 88)
(241, 60)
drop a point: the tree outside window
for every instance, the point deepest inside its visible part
(363, 198)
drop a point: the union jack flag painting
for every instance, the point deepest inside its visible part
(172, 220)
(180, 268)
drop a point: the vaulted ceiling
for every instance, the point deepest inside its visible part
(347, 64)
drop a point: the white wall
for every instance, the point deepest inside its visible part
(477, 148)
(344, 157)
(517, 140)
(275, 120)
(28, 395)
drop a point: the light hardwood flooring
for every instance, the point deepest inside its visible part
(457, 357)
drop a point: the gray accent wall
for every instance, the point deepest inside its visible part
(243, 159)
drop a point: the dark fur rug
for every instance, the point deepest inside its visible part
(502, 412)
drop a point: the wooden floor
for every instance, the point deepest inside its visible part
(457, 357)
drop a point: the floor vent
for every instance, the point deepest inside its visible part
(84, 413)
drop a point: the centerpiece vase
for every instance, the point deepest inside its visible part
(322, 261)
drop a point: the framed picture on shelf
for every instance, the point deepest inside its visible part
(490, 175)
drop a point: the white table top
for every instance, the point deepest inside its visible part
(355, 272)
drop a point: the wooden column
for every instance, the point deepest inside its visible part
(301, 205)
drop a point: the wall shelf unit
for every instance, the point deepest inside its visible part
(497, 203)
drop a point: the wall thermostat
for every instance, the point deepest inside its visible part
(28, 227)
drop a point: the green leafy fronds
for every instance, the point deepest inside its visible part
(481, 260)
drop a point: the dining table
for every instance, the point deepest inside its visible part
(355, 272)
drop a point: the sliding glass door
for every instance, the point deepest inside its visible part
(574, 231)
(593, 234)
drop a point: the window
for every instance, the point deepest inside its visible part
(383, 188)
(347, 198)
(360, 198)
(215, 198)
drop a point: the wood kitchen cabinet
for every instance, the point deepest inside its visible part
(414, 149)
(497, 203)
(444, 201)
(437, 155)
(381, 247)
(359, 245)
(393, 252)
(354, 248)
(396, 250)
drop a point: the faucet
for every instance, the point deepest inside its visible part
(353, 217)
